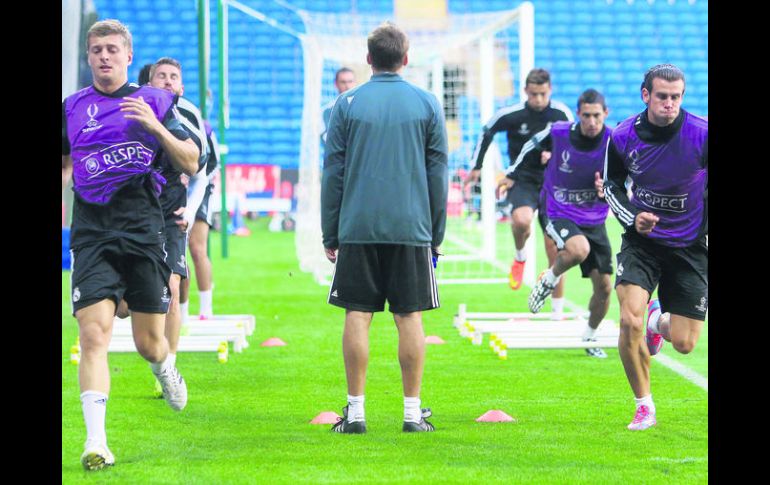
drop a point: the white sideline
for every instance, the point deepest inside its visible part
(666, 361)
(675, 366)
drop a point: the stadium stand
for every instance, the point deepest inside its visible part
(602, 44)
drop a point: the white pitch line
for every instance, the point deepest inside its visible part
(683, 370)
(666, 361)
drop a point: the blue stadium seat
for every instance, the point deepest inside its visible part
(565, 77)
(591, 77)
(564, 64)
(587, 64)
(616, 90)
(584, 43)
(561, 41)
(609, 65)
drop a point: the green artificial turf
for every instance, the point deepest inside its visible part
(247, 421)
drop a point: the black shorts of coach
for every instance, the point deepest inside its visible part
(204, 214)
(121, 269)
(526, 193)
(600, 255)
(681, 274)
(366, 275)
(176, 250)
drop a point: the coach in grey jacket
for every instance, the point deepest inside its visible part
(383, 215)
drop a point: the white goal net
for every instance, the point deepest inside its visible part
(474, 64)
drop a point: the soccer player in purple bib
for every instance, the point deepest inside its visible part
(663, 151)
(520, 122)
(112, 134)
(575, 215)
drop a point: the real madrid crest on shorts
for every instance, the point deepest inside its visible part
(564, 232)
(703, 305)
(620, 269)
(76, 294)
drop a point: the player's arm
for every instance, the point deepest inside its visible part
(184, 154)
(214, 156)
(66, 158)
(496, 124)
(615, 175)
(192, 122)
(437, 170)
(332, 180)
(530, 156)
(196, 189)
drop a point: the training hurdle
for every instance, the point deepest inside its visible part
(532, 331)
(195, 336)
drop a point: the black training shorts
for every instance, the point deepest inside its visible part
(600, 256)
(525, 193)
(121, 269)
(176, 250)
(682, 273)
(204, 214)
(366, 275)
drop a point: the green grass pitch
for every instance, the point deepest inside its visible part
(247, 421)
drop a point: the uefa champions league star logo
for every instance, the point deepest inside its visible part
(634, 166)
(92, 166)
(564, 166)
(92, 110)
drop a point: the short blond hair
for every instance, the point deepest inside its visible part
(387, 47)
(103, 28)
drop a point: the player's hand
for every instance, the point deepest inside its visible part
(435, 253)
(331, 254)
(185, 179)
(599, 185)
(137, 109)
(181, 223)
(645, 222)
(544, 157)
(503, 187)
(473, 177)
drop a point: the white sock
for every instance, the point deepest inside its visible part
(205, 303)
(412, 411)
(653, 320)
(185, 311)
(521, 255)
(355, 408)
(557, 305)
(589, 333)
(94, 410)
(171, 359)
(160, 367)
(646, 401)
(550, 278)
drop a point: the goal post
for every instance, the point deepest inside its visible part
(471, 62)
